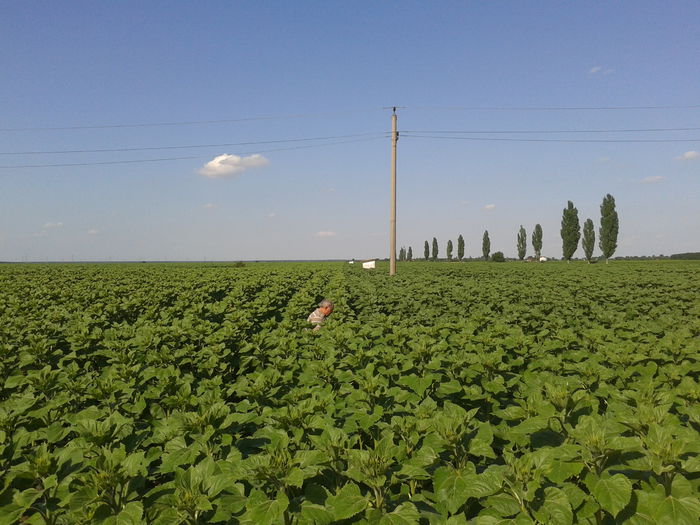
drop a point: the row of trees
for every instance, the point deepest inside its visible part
(407, 254)
(485, 246)
(570, 234)
(571, 231)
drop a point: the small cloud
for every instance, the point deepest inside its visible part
(595, 69)
(325, 234)
(689, 155)
(489, 207)
(599, 70)
(210, 206)
(271, 215)
(652, 180)
(53, 225)
(231, 165)
(93, 231)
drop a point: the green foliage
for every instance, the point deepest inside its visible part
(498, 257)
(537, 240)
(460, 247)
(191, 394)
(402, 254)
(449, 250)
(570, 231)
(409, 255)
(435, 249)
(689, 256)
(609, 226)
(486, 245)
(588, 241)
(426, 251)
(522, 243)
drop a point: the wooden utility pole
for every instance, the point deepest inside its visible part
(392, 221)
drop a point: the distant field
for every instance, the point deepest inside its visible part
(502, 393)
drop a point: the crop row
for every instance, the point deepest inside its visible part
(195, 394)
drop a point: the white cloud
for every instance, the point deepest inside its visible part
(53, 225)
(210, 205)
(652, 180)
(230, 165)
(489, 207)
(93, 231)
(599, 69)
(689, 155)
(595, 69)
(325, 234)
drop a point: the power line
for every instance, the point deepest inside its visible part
(321, 114)
(545, 131)
(138, 161)
(190, 146)
(550, 108)
(493, 139)
(333, 137)
(184, 122)
(313, 145)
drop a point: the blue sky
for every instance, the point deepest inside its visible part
(106, 74)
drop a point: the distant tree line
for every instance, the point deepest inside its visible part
(406, 255)
(689, 256)
(570, 235)
(571, 231)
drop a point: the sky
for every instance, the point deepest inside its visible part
(239, 130)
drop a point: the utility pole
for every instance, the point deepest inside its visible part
(392, 221)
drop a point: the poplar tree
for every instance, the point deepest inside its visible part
(460, 247)
(537, 240)
(486, 245)
(426, 251)
(402, 254)
(409, 255)
(609, 226)
(449, 250)
(588, 241)
(522, 243)
(570, 231)
(435, 249)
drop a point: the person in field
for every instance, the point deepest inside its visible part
(325, 308)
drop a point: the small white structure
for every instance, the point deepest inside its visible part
(543, 259)
(369, 265)
(351, 262)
